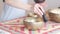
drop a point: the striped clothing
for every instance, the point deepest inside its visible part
(37, 10)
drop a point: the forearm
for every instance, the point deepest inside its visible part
(18, 4)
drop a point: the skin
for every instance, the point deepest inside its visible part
(18, 4)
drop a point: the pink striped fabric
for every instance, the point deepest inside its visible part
(49, 27)
(37, 10)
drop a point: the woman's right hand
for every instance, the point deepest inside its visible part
(18, 4)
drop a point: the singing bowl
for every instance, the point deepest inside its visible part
(33, 23)
(54, 15)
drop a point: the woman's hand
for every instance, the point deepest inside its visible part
(18, 4)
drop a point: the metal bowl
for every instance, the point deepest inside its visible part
(33, 23)
(54, 15)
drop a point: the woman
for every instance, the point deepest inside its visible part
(15, 9)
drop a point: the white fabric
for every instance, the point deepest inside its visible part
(4, 32)
(12, 12)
